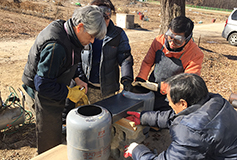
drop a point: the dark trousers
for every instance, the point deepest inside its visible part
(48, 122)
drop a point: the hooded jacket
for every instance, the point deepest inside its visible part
(206, 130)
(115, 52)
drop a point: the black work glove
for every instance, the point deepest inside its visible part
(138, 79)
(127, 84)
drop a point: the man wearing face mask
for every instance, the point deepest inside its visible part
(100, 66)
(99, 71)
(171, 53)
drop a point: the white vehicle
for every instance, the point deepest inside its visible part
(230, 29)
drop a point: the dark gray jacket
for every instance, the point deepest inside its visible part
(116, 52)
(202, 131)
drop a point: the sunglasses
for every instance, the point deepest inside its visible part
(177, 39)
(106, 12)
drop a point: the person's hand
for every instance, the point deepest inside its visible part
(149, 85)
(127, 84)
(134, 116)
(75, 93)
(81, 83)
(128, 150)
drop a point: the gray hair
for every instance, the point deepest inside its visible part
(92, 18)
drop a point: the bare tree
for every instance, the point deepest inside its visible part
(169, 10)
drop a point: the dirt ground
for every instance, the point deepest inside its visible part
(20, 24)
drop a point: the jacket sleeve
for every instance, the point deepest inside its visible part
(52, 58)
(149, 60)
(156, 118)
(174, 151)
(195, 65)
(125, 58)
(141, 152)
(186, 144)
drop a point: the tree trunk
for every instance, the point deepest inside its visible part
(169, 10)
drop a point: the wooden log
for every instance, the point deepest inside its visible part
(127, 123)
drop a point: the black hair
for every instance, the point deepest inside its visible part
(182, 24)
(187, 86)
(106, 3)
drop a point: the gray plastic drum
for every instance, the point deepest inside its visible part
(140, 93)
(88, 133)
